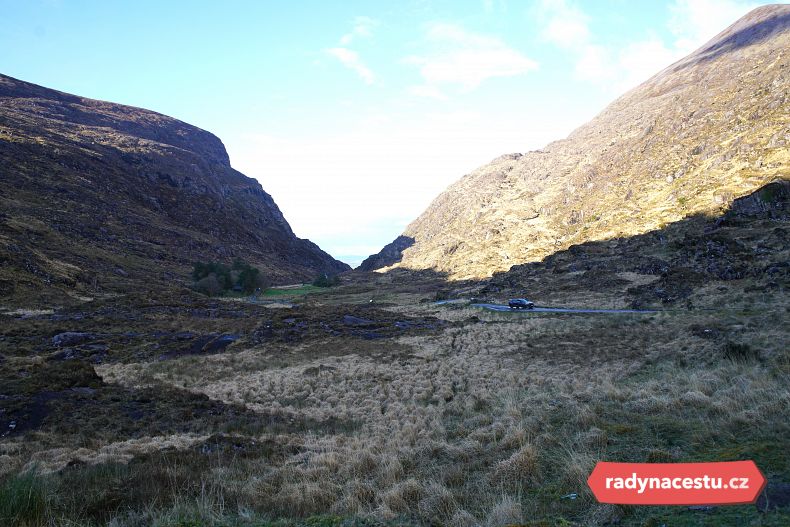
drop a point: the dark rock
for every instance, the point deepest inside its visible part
(219, 343)
(83, 390)
(775, 495)
(70, 338)
(350, 320)
(66, 354)
(708, 333)
(204, 345)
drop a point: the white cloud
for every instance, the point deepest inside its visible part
(617, 69)
(427, 91)
(465, 59)
(567, 25)
(382, 172)
(640, 60)
(694, 22)
(363, 28)
(350, 59)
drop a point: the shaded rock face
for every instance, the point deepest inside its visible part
(104, 195)
(748, 244)
(703, 132)
(392, 253)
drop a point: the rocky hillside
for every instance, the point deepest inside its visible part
(100, 197)
(708, 129)
(699, 261)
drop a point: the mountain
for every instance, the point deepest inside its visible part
(711, 128)
(96, 196)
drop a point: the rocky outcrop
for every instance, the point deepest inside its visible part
(703, 132)
(392, 253)
(100, 196)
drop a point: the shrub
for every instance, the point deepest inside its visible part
(209, 286)
(738, 352)
(214, 278)
(326, 280)
(202, 270)
(23, 500)
(251, 279)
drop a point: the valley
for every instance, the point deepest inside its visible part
(371, 404)
(173, 355)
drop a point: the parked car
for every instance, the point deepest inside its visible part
(520, 303)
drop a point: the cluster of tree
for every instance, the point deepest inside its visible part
(326, 280)
(215, 278)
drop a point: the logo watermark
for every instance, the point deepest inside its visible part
(722, 483)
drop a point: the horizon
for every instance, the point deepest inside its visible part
(355, 122)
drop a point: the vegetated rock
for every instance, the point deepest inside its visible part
(151, 193)
(216, 344)
(350, 320)
(611, 178)
(674, 285)
(314, 371)
(706, 332)
(70, 338)
(66, 354)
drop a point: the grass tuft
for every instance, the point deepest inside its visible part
(24, 500)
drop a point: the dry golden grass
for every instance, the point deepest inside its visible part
(473, 425)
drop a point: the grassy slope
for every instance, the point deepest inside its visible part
(372, 404)
(495, 420)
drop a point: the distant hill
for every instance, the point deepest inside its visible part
(708, 129)
(101, 197)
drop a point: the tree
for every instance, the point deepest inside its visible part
(326, 280)
(214, 278)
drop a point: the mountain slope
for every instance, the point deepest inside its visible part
(706, 130)
(97, 196)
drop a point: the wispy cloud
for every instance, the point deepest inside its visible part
(464, 59)
(363, 28)
(566, 25)
(350, 59)
(693, 22)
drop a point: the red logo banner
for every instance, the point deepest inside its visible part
(724, 483)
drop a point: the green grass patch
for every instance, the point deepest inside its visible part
(23, 500)
(296, 291)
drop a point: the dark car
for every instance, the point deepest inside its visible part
(520, 303)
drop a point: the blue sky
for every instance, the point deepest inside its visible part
(355, 115)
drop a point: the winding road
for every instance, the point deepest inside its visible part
(504, 308)
(500, 307)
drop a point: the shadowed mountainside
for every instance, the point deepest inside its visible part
(699, 134)
(99, 196)
(127, 406)
(390, 254)
(697, 261)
